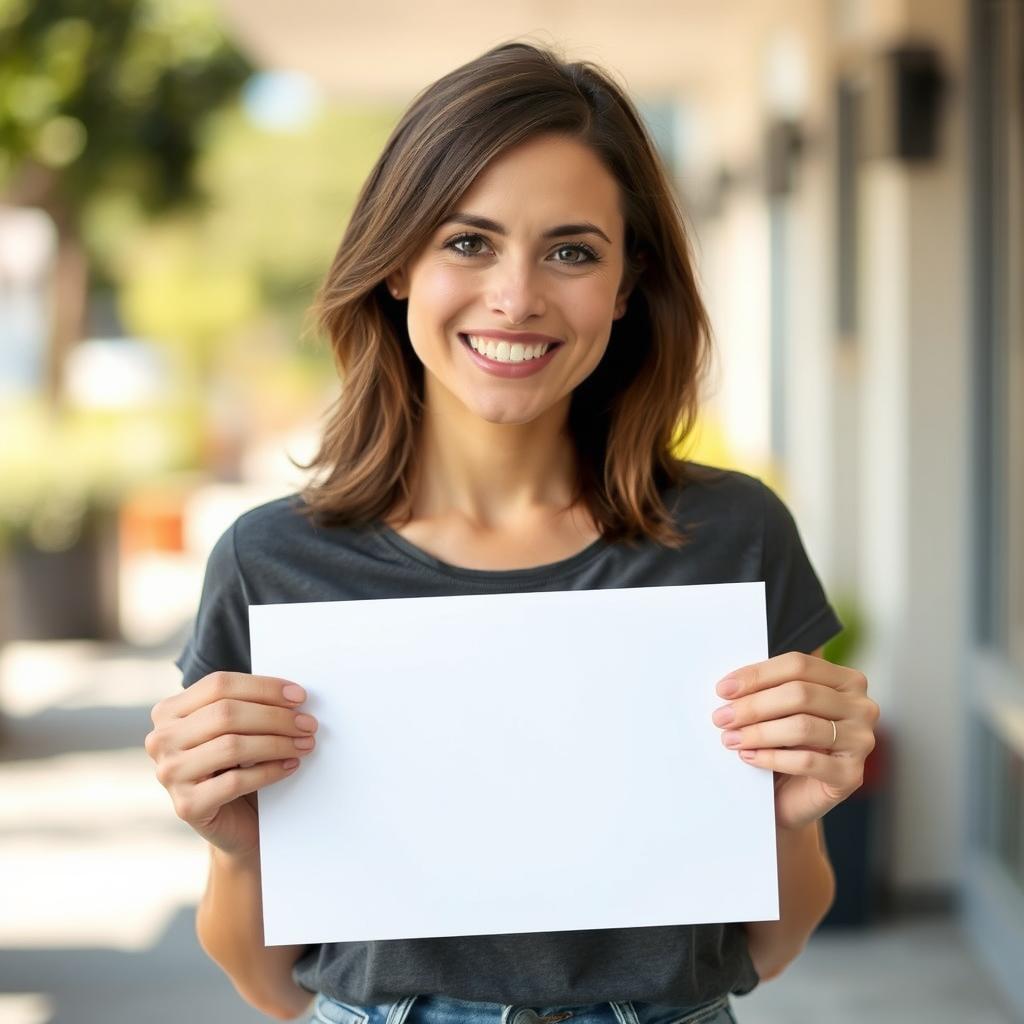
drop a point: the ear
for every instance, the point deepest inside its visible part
(396, 283)
(622, 299)
(629, 280)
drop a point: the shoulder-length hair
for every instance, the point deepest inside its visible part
(627, 418)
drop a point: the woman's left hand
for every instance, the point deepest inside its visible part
(781, 718)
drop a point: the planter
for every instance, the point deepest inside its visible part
(856, 835)
(68, 594)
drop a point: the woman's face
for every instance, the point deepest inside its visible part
(532, 256)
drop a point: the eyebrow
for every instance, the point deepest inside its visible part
(485, 224)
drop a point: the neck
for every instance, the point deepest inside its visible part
(491, 475)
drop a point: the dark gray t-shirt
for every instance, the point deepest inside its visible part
(740, 532)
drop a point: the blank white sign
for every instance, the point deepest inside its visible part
(514, 763)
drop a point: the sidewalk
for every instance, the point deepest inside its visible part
(101, 879)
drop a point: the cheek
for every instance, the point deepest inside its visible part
(437, 292)
(592, 319)
(438, 297)
(592, 312)
(595, 303)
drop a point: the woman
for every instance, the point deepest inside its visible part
(516, 320)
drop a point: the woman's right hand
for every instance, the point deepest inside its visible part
(216, 743)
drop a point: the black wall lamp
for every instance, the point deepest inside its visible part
(785, 143)
(900, 100)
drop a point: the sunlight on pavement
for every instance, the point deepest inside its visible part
(117, 893)
(99, 857)
(103, 862)
(36, 676)
(25, 1008)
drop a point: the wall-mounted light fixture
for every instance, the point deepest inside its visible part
(900, 103)
(783, 146)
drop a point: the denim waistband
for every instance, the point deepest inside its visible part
(431, 1009)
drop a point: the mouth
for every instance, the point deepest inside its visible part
(502, 359)
(509, 353)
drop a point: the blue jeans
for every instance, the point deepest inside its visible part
(442, 1010)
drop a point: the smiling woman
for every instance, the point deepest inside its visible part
(546, 219)
(516, 322)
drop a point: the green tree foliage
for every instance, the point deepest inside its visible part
(208, 229)
(114, 94)
(277, 204)
(98, 98)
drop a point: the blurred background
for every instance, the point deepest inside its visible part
(174, 178)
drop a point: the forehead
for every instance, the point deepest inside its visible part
(547, 178)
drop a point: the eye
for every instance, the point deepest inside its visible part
(584, 252)
(456, 244)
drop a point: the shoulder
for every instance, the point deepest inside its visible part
(745, 531)
(726, 507)
(719, 495)
(279, 524)
(262, 535)
(284, 552)
(282, 517)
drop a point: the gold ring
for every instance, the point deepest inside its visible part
(834, 733)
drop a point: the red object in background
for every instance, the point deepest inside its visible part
(876, 764)
(858, 835)
(152, 521)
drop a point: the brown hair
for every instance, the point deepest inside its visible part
(627, 417)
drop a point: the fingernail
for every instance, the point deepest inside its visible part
(731, 738)
(748, 755)
(291, 764)
(296, 694)
(724, 715)
(307, 722)
(304, 742)
(728, 686)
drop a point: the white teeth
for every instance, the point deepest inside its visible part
(506, 352)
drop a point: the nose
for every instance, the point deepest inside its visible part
(515, 291)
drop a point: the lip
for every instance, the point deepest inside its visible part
(509, 370)
(525, 337)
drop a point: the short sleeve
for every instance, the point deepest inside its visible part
(219, 640)
(800, 617)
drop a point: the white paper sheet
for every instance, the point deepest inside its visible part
(514, 763)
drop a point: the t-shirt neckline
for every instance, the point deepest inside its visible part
(547, 570)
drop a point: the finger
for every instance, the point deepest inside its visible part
(222, 718)
(793, 665)
(227, 752)
(198, 804)
(229, 686)
(242, 717)
(840, 773)
(793, 731)
(791, 698)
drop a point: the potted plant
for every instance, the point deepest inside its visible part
(65, 476)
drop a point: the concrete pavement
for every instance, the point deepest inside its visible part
(100, 879)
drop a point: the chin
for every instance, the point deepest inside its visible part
(501, 413)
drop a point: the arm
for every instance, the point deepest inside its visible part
(806, 891)
(781, 718)
(215, 744)
(229, 925)
(807, 887)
